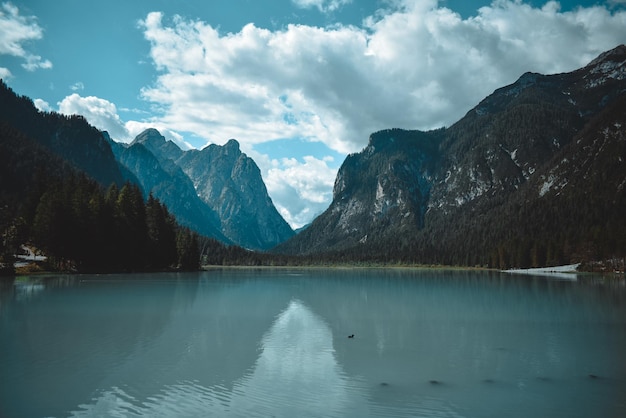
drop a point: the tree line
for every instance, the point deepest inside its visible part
(81, 227)
(54, 172)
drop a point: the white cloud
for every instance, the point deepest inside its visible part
(414, 65)
(256, 85)
(103, 114)
(99, 112)
(300, 190)
(34, 62)
(77, 86)
(5, 73)
(15, 31)
(323, 6)
(42, 105)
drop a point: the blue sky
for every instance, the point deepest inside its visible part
(299, 83)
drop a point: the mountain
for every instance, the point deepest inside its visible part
(533, 175)
(231, 184)
(25, 167)
(219, 181)
(171, 186)
(68, 137)
(63, 192)
(165, 151)
(218, 192)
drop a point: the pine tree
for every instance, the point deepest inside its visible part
(161, 228)
(188, 249)
(132, 233)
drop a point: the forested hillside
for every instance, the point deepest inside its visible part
(48, 202)
(69, 137)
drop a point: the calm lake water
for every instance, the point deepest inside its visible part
(263, 343)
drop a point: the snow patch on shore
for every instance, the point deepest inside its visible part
(562, 272)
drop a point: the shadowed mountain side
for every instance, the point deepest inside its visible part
(230, 184)
(497, 188)
(171, 186)
(68, 137)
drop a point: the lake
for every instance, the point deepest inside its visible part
(275, 342)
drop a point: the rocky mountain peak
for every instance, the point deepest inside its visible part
(608, 68)
(161, 147)
(150, 135)
(616, 55)
(230, 183)
(232, 147)
(226, 181)
(516, 182)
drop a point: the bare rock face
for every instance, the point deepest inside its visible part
(230, 182)
(168, 183)
(218, 189)
(519, 181)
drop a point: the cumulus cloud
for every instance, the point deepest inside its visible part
(103, 114)
(300, 190)
(99, 112)
(42, 105)
(255, 85)
(417, 65)
(15, 31)
(323, 6)
(5, 73)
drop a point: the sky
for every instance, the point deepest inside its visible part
(299, 83)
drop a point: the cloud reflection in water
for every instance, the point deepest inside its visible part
(296, 374)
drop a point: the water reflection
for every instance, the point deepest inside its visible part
(275, 343)
(298, 371)
(60, 341)
(295, 374)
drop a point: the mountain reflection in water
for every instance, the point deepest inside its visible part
(296, 374)
(241, 343)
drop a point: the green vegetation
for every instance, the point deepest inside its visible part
(82, 228)
(55, 173)
(531, 177)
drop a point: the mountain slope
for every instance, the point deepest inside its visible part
(381, 192)
(69, 137)
(226, 181)
(231, 184)
(504, 186)
(171, 186)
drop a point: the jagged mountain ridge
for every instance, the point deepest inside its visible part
(492, 188)
(246, 214)
(228, 184)
(170, 185)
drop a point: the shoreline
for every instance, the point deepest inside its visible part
(568, 271)
(210, 267)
